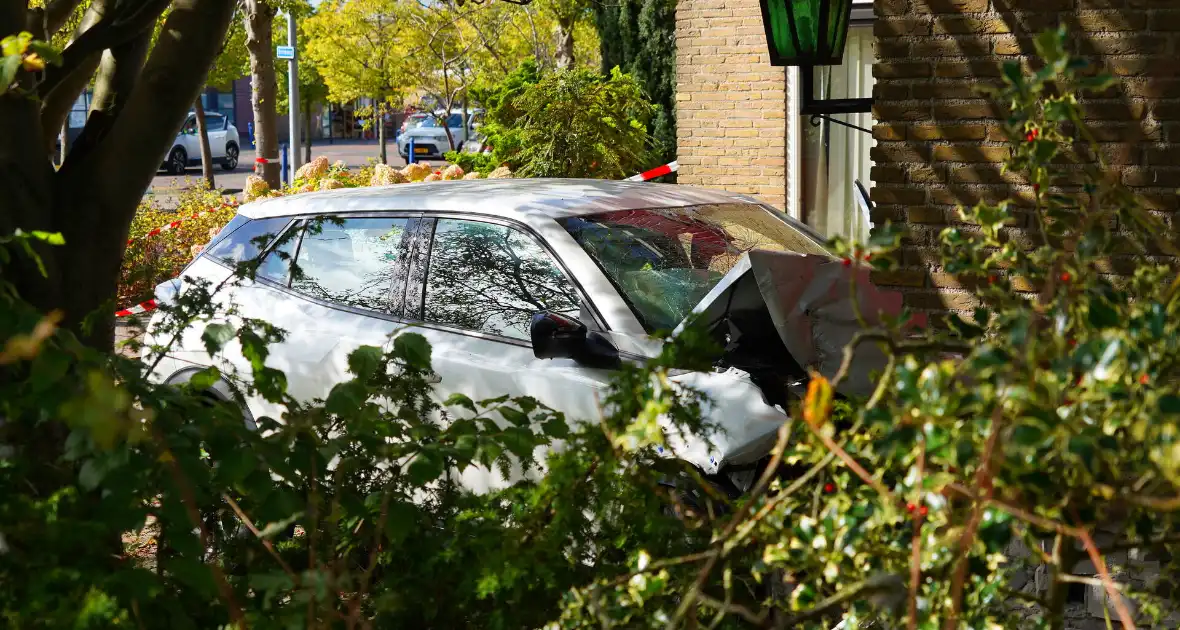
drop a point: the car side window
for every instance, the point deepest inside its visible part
(455, 120)
(492, 279)
(247, 240)
(276, 266)
(350, 262)
(190, 126)
(215, 122)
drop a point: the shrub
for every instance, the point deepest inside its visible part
(1055, 425)
(152, 259)
(573, 123)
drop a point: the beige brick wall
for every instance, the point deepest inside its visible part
(939, 144)
(730, 102)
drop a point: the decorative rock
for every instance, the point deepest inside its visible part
(501, 173)
(452, 172)
(330, 184)
(473, 175)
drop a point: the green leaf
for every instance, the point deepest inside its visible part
(460, 400)
(400, 520)
(414, 348)
(279, 526)
(46, 51)
(427, 466)
(236, 465)
(556, 428)
(204, 379)
(1102, 315)
(515, 416)
(216, 336)
(8, 69)
(345, 398)
(365, 361)
(192, 573)
(91, 474)
(1170, 403)
(52, 238)
(1028, 435)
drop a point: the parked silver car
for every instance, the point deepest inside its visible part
(536, 287)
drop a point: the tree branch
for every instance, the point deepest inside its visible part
(127, 20)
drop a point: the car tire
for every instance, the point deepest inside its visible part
(177, 161)
(230, 161)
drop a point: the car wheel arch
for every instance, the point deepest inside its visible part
(221, 390)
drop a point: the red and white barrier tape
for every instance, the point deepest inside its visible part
(174, 224)
(670, 167)
(142, 307)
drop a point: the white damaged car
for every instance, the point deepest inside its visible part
(537, 287)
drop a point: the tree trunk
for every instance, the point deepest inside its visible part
(307, 132)
(203, 138)
(564, 54)
(381, 139)
(64, 138)
(259, 21)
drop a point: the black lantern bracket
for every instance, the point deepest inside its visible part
(822, 109)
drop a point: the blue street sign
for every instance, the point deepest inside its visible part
(285, 52)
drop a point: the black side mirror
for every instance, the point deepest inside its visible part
(556, 336)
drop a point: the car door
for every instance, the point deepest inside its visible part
(475, 285)
(215, 126)
(188, 138)
(340, 296)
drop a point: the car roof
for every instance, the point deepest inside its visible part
(526, 198)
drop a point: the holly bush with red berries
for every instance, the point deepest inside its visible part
(1049, 412)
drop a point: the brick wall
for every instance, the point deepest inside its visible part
(939, 144)
(730, 102)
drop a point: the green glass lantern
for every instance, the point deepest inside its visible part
(806, 32)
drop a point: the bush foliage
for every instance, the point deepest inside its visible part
(1042, 417)
(568, 123)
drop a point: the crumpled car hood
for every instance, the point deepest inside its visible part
(810, 300)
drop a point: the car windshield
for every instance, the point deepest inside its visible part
(417, 120)
(665, 260)
(430, 122)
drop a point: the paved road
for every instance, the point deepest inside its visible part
(354, 153)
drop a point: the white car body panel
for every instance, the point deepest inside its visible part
(321, 336)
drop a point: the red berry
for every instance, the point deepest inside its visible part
(1032, 135)
(1065, 276)
(1073, 342)
(829, 488)
(847, 262)
(923, 510)
(1143, 379)
(991, 279)
(868, 257)
(910, 507)
(1036, 188)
